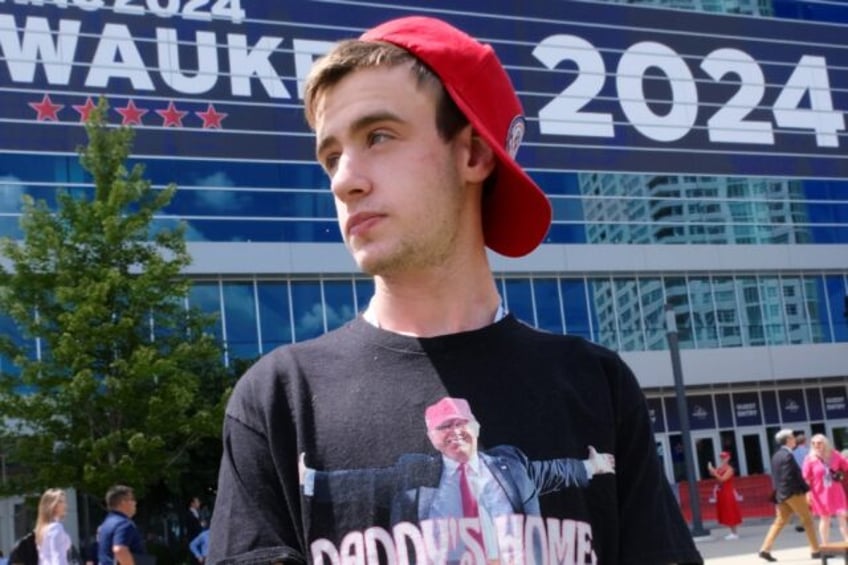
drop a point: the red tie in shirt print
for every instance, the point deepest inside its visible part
(462, 505)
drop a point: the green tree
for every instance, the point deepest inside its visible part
(111, 378)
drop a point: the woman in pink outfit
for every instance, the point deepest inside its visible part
(824, 469)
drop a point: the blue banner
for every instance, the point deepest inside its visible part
(792, 405)
(746, 408)
(606, 87)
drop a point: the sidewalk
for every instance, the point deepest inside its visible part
(790, 547)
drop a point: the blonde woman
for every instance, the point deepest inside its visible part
(824, 468)
(50, 536)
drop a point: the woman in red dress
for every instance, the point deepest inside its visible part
(727, 506)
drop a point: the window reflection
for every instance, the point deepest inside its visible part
(624, 313)
(652, 298)
(519, 299)
(338, 298)
(677, 296)
(578, 317)
(364, 292)
(548, 305)
(274, 314)
(240, 318)
(289, 201)
(308, 310)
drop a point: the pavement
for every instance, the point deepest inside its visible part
(790, 546)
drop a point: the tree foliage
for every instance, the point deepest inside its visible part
(111, 378)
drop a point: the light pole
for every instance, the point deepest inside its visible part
(698, 529)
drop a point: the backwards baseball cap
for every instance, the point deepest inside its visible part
(447, 409)
(516, 213)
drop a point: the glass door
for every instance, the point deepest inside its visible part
(705, 448)
(663, 453)
(753, 454)
(837, 433)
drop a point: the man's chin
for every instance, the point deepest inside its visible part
(374, 263)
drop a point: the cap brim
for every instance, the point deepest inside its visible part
(516, 212)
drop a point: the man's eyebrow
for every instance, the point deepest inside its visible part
(361, 123)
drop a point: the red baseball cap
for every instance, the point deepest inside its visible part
(447, 409)
(516, 212)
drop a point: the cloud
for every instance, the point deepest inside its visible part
(216, 197)
(11, 191)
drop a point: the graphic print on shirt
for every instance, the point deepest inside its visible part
(460, 506)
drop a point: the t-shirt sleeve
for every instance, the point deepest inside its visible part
(653, 531)
(258, 502)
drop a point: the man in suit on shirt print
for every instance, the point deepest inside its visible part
(502, 481)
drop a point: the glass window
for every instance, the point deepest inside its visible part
(837, 300)
(9, 328)
(816, 314)
(629, 315)
(274, 314)
(308, 309)
(205, 296)
(729, 331)
(603, 301)
(519, 299)
(338, 298)
(748, 292)
(794, 310)
(364, 292)
(678, 297)
(578, 318)
(240, 318)
(652, 300)
(548, 308)
(704, 320)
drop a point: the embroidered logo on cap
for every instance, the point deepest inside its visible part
(514, 135)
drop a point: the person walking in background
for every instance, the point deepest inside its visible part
(199, 545)
(119, 541)
(800, 453)
(193, 522)
(193, 519)
(89, 551)
(52, 540)
(727, 505)
(790, 491)
(801, 448)
(3, 559)
(824, 469)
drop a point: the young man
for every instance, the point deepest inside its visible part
(417, 125)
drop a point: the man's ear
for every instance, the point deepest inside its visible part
(480, 159)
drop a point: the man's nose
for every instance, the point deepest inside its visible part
(349, 179)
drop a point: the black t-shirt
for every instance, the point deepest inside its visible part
(352, 404)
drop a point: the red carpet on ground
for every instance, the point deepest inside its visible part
(755, 491)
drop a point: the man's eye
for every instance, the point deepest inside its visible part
(330, 163)
(377, 137)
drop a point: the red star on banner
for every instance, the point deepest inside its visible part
(211, 118)
(46, 109)
(85, 111)
(131, 114)
(171, 116)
